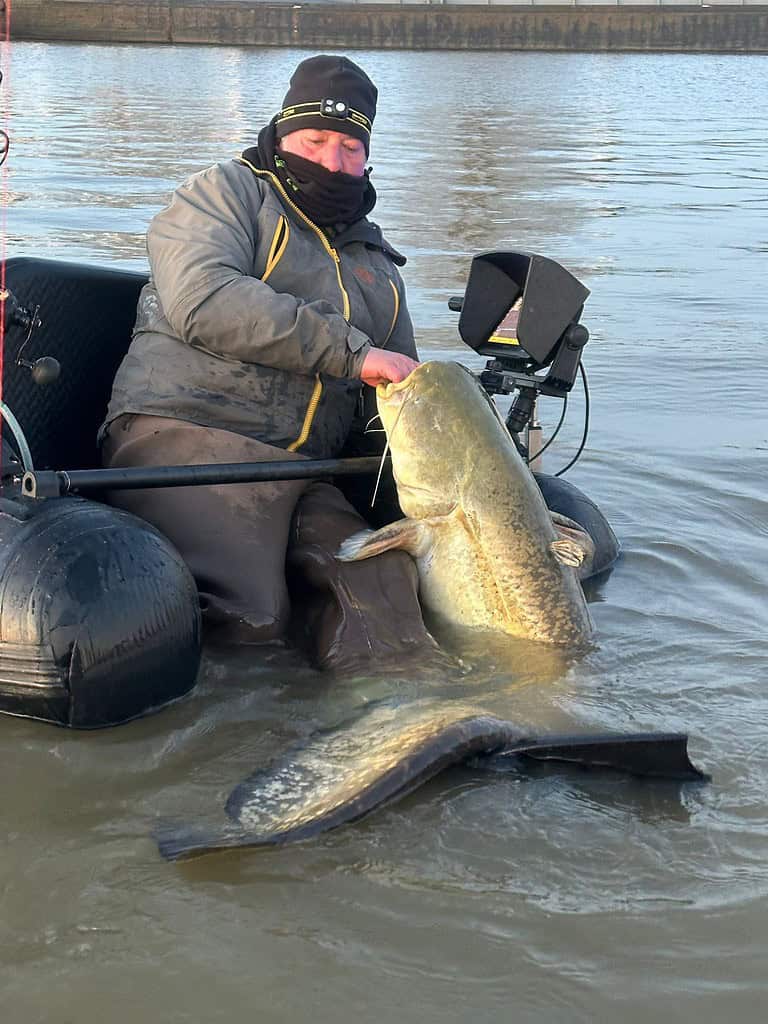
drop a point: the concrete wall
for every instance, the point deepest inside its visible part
(723, 28)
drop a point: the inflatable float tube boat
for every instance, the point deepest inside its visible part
(99, 617)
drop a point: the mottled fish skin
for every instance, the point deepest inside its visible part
(486, 549)
(343, 774)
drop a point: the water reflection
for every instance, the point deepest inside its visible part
(568, 897)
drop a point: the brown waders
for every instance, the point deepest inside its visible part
(263, 554)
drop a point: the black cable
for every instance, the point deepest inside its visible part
(586, 422)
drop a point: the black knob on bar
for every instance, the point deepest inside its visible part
(45, 370)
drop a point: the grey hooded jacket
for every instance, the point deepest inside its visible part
(253, 321)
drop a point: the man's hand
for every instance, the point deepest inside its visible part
(381, 367)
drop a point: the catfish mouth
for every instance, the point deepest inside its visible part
(393, 394)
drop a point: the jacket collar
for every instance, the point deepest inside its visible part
(363, 230)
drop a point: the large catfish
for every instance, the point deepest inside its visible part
(487, 551)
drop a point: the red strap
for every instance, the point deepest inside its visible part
(4, 197)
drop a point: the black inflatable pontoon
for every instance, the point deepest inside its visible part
(99, 617)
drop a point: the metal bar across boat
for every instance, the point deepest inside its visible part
(49, 483)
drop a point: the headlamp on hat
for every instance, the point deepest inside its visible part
(307, 115)
(334, 108)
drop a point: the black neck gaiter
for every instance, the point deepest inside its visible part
(326, 197)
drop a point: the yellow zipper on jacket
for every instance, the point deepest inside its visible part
(278, 246)
(311, 224)
(317, 393)
(308, 416)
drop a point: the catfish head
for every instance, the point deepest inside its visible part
(431, 419)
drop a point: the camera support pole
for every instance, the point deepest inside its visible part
(534, 440)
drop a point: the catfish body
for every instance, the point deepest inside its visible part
(477, 525)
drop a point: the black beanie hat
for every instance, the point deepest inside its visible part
(331, 94)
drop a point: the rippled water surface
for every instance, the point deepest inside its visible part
(539, 896)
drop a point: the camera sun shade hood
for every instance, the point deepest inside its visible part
(552, 300)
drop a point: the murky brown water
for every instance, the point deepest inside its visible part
(522, 897)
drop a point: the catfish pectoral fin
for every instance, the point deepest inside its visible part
(567, 552)
(409, 534)
(568, 529)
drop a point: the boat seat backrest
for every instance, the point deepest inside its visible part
(87, 316)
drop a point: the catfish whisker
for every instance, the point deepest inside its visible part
(384, 455)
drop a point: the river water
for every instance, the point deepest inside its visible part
(528, 896)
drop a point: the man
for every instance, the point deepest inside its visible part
(271, 298)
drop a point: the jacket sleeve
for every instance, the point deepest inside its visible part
(201, 252)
